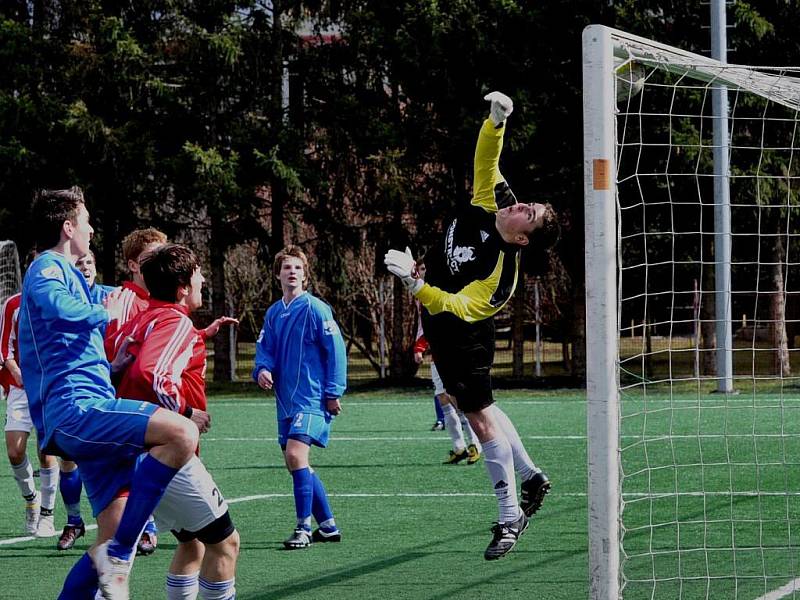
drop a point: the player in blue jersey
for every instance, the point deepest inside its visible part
(128, 451)
(301, 355)
(87, 265)
(70, 481)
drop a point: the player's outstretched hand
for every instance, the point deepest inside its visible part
(123, 357)
(202, 419)
(501, 106)
(403, 265)
(265, 379)
(213, 329)
(334, 406)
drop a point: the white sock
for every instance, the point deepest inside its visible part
(23, 474)
(453, 427)
(500, 465)
(48, 482)
(473, 439)
(217, 590)
(522, 462)
(182, 587)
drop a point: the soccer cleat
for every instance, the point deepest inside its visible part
(148, 542)
(504, 537)
(322, 536)
(32, 509)
(455, 457)
(473, 454)
(533, 492)
(300, 538)
(46, 527)
(112, 573)
(69, 535)
(438, 426)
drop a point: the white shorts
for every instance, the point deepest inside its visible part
(18, 416)
(438, 386)
(191, 501)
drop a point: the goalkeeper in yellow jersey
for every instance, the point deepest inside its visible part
(471, 274)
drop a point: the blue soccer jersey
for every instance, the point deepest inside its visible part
(63, 363)
(301, 345)
(99, 292)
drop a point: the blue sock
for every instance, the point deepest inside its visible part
(319, 505)
(70, 487)
(81, 581)
(439, 413)
(303, 495)
(149, 482)
(150, 526)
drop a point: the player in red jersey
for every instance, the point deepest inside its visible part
(128, 302)
(169, 370)
(38, 506)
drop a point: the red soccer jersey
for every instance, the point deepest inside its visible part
(130, 301)
(9, 348)
(170, 364)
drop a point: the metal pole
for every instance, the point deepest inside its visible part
(537, 351)
(602, 328)
(382, 331)
(722, 205)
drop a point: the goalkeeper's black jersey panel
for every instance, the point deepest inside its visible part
(471, 250)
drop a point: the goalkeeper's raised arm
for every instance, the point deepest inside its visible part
(489, 188)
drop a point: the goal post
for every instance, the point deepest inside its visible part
(690, 494)
(10, 276)
(602, 328)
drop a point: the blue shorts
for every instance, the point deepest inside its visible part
(105, 439)
(306, 427)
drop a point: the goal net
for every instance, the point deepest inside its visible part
(9, 270)
(692, 319)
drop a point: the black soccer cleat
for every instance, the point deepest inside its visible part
(533, 492)
(69, 535)
(504, 537)
(300, 538)
(147, 544)
(326, 536)
(456, 457)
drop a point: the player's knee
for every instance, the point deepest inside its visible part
(228, 548)
(186, 437)
(16, 454)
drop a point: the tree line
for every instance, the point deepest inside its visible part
(345, 126)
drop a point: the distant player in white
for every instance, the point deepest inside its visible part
(454, 420)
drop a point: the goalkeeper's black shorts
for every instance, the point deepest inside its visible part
(463, 353)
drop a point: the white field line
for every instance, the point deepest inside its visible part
(432, 438)
(700, 402)
(29, 538)
(782, 592)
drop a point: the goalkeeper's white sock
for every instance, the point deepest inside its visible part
(217, 590)
(23, 475)
(473, 439)
(522, 462)
(500, 465)
(182, 587)
(453, 427)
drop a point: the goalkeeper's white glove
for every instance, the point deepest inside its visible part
(403, 265)
(502, 106)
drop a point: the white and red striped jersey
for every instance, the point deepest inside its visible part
(128, 302)
(170, 358)
(9, 348)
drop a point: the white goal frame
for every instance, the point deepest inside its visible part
(601, 46)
